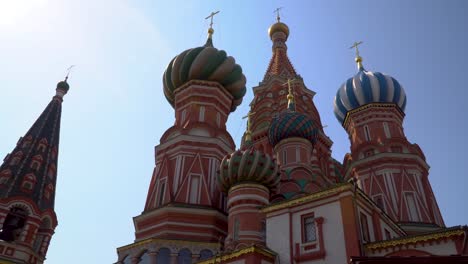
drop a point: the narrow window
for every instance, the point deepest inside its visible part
(162, 190)
(367, 133)
(218, 119)
(387, 235)
(412, 207)
(194, 186)
(378, 199)
(202, 114)
(364, 228)
(309, 229)
(298, 154)
(386, 130)
(236, 229)
(182, 118)
(285, 155)
(185, 257)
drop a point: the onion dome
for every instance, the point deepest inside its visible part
(248, 165)
(291, 124)
(205, 63)
(367, 87)
(278, 27)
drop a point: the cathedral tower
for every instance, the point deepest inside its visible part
(390, 169)
(28, 179)
(185, 216)
(271, 102)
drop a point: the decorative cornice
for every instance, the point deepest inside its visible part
(311, 197)
(167, 241)
(415, 239)
(253, 249)
(371, 105)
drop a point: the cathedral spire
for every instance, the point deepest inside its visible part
(28, 178)
(30, 170)
(279, 63)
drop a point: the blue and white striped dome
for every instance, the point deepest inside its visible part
(368, 87)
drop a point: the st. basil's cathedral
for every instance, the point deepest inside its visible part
(280, 198)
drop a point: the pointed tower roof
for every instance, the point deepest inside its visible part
(29, 171)
(279, 63)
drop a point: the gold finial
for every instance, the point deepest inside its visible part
(277, 11)
(248, 133)
(211, 30)
(290, 96)
(358, 57)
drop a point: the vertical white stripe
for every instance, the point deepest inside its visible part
(375, 86)
(390, 88)
(357, 88)
(402, 96)
(344, 98)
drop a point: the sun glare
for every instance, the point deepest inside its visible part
(13, 12)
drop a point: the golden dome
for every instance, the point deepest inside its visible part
(278, 27)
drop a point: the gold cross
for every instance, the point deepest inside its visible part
(277, 11)
(248, 116)
(355, 46)
(211, 17)
(289, 84)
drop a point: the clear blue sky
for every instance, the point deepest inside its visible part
(115, 112)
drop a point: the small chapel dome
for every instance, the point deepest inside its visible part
(367, 87)
(278, 27)
(205, 63)
(63, 85)
(249, 165)
(292, 124)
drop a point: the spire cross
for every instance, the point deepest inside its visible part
(211, 18)
(248, 116)
(68, 72)
(290, 96)
(277, 11)
(355, 46)
(289, 85)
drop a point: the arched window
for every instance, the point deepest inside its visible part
(5, 176)
(28, 183)
(42, 145)
(48, 191)
(183, 115)
(51, 171)
(14, 223)
(202, 114)
(36, 162)
(386, 130)
(367, 133)
(236, 229)
(145, 258)
(205, 254)
(164, 256)
(54, 153)
(27, 141)
(16, 158)
(218, 119)
(185, 257)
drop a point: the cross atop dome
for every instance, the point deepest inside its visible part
(358, 57)
(211, 30)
